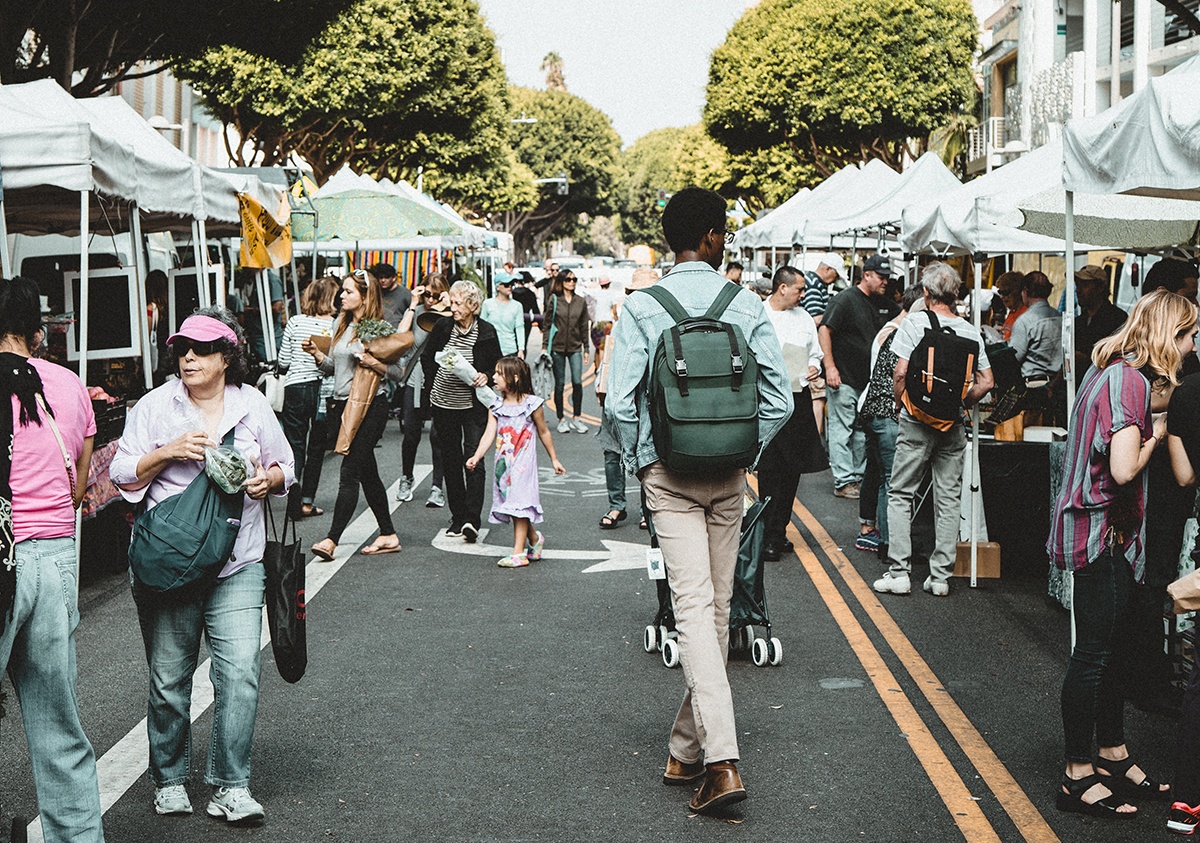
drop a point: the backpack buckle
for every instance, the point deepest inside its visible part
(738, 366)
(680, 367)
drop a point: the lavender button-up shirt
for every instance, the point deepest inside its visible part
(167, 413)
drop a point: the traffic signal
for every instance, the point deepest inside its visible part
(662, 198)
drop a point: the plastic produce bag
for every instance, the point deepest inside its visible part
(227, 468)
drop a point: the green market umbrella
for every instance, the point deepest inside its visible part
(368, 215)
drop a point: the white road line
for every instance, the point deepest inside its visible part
(121, 767)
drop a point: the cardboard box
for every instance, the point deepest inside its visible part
(1012, 430)
(987, 565)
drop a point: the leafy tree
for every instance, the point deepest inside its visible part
(836, 81)
(389, 86)
(597, 235)
(668, 159)
(105, 42)
(572, 137)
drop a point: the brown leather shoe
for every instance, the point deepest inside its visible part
(680, 773)
(722, 787)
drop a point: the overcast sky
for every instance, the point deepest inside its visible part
(644, 63)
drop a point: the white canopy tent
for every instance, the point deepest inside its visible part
(857, 192)
(927, 180)
(760, 232)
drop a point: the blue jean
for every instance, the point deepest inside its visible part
(847, 446)
(614, 480)
(881, 449)
(38, 646)
(1093, 699)
(575, 358)
(230, 617)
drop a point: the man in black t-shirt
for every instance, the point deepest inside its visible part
(851, 321)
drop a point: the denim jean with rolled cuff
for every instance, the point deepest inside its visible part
(305, 436)
(847, 446)
(230, 618)
(414, 428)
(359, 468)
(38, 647)
(560, 360)
(459, 432)
(881, 448)
(1093, 691)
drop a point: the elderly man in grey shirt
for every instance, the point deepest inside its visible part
(1037, 333)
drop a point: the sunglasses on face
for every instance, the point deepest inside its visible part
(202, 348)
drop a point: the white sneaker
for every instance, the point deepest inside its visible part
(937, 589)
(235, 804)
(891, 583)
(405, 492)
(579, 426)
(437, 498)
(172, 799)
(564, 426)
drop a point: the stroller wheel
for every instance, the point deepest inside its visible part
(663, 635)
(650, 639)
(758, 652)
(775, 651)
(670, 653)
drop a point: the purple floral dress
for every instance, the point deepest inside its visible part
(515, 487)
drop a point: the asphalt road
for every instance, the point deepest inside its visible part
(449, 699)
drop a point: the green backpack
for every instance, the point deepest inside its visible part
(181, 545)
(703, 390)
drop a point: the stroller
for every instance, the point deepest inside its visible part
(747, 608)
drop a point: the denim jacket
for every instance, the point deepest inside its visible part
(695, 284)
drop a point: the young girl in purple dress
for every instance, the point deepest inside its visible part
(514, 418)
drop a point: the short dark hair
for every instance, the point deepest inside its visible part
(786, 276)
(1168, 273)
(20, 309)
(382, 270)
(1038, 285)
(911, 295)
(732, 265)
(690, 214)
(237, 370)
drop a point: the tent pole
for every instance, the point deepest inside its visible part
(139, 267)
(215, 298)
(196, 258)
(5, 257)
(81, 318)
(268, 322)
(974, 485)
(853, 255)
(1068, 322)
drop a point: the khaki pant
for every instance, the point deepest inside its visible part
(698, 523)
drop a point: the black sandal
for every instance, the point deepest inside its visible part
(1071, 801)
(611, 522)
(1118, 773)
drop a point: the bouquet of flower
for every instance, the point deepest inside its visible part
(453, 362)
(380, 339)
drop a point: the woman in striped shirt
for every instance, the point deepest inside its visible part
(1097, 531)
(458, 417)
(301, 393)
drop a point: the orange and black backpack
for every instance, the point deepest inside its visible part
(940, 371)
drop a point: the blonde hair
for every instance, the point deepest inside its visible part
(368, 287)
(317, 298)
(1148, 336)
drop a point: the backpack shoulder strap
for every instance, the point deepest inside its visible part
(728, 294)
(669, 303)
(933, 320)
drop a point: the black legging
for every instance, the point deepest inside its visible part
(359, 467)
(459, 432)
(414, 428)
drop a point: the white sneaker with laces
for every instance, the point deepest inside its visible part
(405, 492)
(235, 804)
(579, 426)
(172, 799)
(937, 589)
(891, 583)
(564, 426)
(437, 498)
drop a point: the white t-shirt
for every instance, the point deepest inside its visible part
(797, 333)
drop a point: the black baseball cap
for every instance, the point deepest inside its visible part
(880, 264)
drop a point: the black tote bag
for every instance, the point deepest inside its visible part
(285, 600)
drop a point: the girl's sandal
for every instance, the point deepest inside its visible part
(1070, 799)
(324, 550)
(1118, 780)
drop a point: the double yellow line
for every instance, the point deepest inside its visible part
(964, 808)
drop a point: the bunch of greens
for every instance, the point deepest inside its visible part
(372, 329)
(226, 467)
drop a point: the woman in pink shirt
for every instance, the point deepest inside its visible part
(161, 452)
(48, 433)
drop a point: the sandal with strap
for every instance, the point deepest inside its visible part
(1118, 772)
(1071, 801)
(613, 518)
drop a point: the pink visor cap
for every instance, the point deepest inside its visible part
(204, 329)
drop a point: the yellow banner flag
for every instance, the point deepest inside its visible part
(266, 242)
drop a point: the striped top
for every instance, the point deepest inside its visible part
(449, 392)
(816, 294)
(1092, 512)
(299, 364)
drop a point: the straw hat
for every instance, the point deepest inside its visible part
(643, 277)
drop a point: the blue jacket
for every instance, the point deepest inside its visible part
(695, 284)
